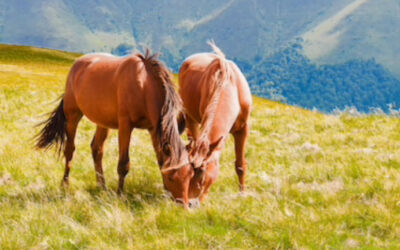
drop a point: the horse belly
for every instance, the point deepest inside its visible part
(102, 116)
(97, 99)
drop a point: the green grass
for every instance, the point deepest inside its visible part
(314, 181)
(28, 55)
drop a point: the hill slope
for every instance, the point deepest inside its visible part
(364, 29)
(314, 180)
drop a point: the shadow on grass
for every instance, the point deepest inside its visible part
(136, 195)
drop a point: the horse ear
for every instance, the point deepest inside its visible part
(215, 145)
(181, 123)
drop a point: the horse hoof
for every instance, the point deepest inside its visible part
(64, 184)
(102, 186)
(123, 197)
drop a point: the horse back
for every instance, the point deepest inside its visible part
(98, 83)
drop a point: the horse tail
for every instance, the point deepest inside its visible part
(218, 70)
(54, 130)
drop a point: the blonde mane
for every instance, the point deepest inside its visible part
(217, 73)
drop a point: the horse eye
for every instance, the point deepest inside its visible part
(167, 149)
(199, 171)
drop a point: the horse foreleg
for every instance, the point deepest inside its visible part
(97, 146)
(240, 137)
(205, 192)
(124, 137)
(72, 124)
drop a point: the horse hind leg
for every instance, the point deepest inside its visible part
(73, 119)
(72, 115)
(240, 137)
(97, 146)
(124, 137)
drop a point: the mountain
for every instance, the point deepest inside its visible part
(364, 29)
(289, 76)
(242, 28)
(332, 33)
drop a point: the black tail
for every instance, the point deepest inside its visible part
(55, 130)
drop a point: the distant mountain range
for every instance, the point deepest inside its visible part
(364, 29)
(332, 31)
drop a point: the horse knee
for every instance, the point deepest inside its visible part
(69, 151)
(241, 167)
(96, 153)
(123, 167)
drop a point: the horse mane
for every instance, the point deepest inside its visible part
(217, 73)
(168, 136)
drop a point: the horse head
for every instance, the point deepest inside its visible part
(204, 160)
(192, 176)
(176, 176)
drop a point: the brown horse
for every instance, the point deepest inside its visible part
(122, 93)
(217, 101)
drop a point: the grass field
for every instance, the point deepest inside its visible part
(315, 180)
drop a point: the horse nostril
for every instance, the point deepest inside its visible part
(194, 203)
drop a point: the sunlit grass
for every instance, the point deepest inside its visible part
(314, 180)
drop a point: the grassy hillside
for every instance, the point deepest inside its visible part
(314, 180)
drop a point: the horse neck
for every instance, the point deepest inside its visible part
(217, 84)
(220, 117)
(222, 122)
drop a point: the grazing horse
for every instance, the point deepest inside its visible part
(122, 93)
(217, 101)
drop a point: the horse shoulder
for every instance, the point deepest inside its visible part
(132, 78)
(131, 72)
